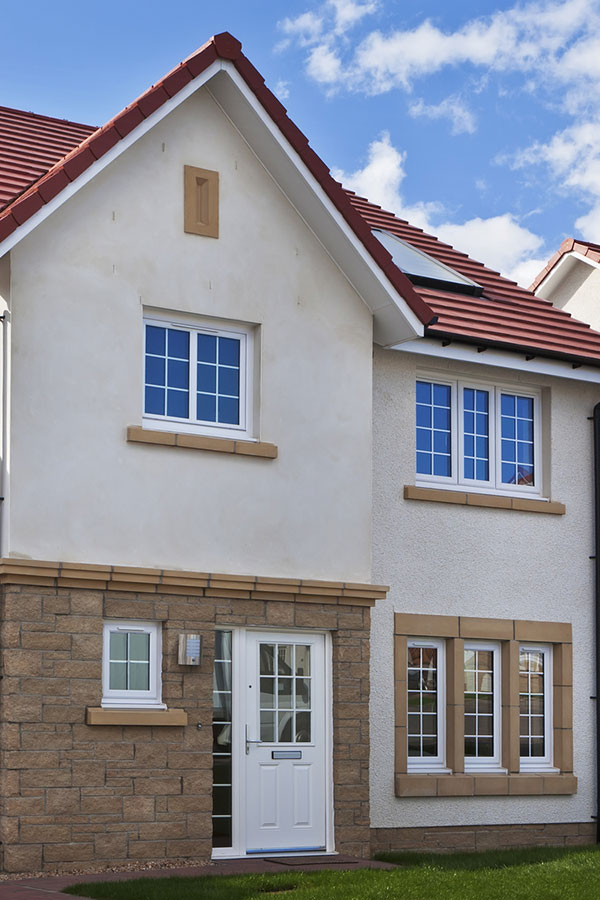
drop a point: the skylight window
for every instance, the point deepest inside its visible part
(423, 269)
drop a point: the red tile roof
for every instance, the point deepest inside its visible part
(504, 316)
(44, 155)
(585, 248)
(30, 145)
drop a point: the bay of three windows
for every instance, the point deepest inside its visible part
(478, 436)
(482, 698)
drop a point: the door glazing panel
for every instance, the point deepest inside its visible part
(285, 693)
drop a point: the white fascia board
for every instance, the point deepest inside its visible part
(560, 270)
(124, 144)
(394, 319)
(500, 358)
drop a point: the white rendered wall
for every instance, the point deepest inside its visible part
(79, 491)
(454, 560)
(578, 293)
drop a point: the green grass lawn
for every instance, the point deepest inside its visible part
(536, 874)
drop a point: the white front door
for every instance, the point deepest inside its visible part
(284, 742)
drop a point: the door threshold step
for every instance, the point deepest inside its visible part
(324, 859)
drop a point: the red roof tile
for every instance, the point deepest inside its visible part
(40, 156)
(505, 315)
(30, 145)
(585, 248)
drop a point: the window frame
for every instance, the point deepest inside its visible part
(132, 699)
(457, 480)
(193, 326)
(437, 763)
(489, 763)
(545, 762)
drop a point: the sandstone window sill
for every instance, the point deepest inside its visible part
(98, 716)
(137, 434)
(435, 785)
(489, 501)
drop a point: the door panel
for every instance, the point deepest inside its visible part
(285, 746)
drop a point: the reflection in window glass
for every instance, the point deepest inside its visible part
(516, 445)
(222, 724)
(422, 702)
(285, 693)
(479, 703)
(434, 446)
(476, 434)
(532, 689)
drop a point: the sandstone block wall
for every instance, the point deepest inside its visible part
(73, 794)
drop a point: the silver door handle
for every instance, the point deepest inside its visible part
(250, 741)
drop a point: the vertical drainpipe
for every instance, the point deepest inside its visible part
(596, 418)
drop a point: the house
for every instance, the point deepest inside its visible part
(570, 280)
(237, 619)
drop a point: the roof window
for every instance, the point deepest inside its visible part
(422, 269)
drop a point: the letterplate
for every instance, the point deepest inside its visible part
(286, 754)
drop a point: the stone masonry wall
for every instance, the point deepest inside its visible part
(467, 838)
(73, 794)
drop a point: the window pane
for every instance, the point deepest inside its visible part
(433, 429)
(117, 680)
(207, 379)
(229, 381)
(139, 647)
(155, 340)
(229, 351)
(178, 344)
(206, 408)
(139, 676)
(229, 411)
(531, 696)
(422, 701)
(476, 434)
(302, 659)
(118, 646)
(178, 374)
(154, 403)
(517, 444)
(207, 348)
(178, 404)
(479, 703)
(155, 370)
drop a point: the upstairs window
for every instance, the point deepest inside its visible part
(478, 436)
(197, 377)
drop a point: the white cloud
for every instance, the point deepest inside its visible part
(499, 241)
(324, 65)
(462, 119)
(348, 13)
(282, 89)
(306, 28)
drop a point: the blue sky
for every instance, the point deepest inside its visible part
(478, 121)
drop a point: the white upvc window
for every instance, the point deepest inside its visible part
(535, 701)
(131, 665)
(198, 375)
(426, 705)
(482, 697)
(478, 436)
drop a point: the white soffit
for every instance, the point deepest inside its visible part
(502, 359)
(562, 268)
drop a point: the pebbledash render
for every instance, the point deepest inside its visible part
(297, 506)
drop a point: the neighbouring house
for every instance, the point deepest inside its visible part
(297, 507)
(571, 280)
